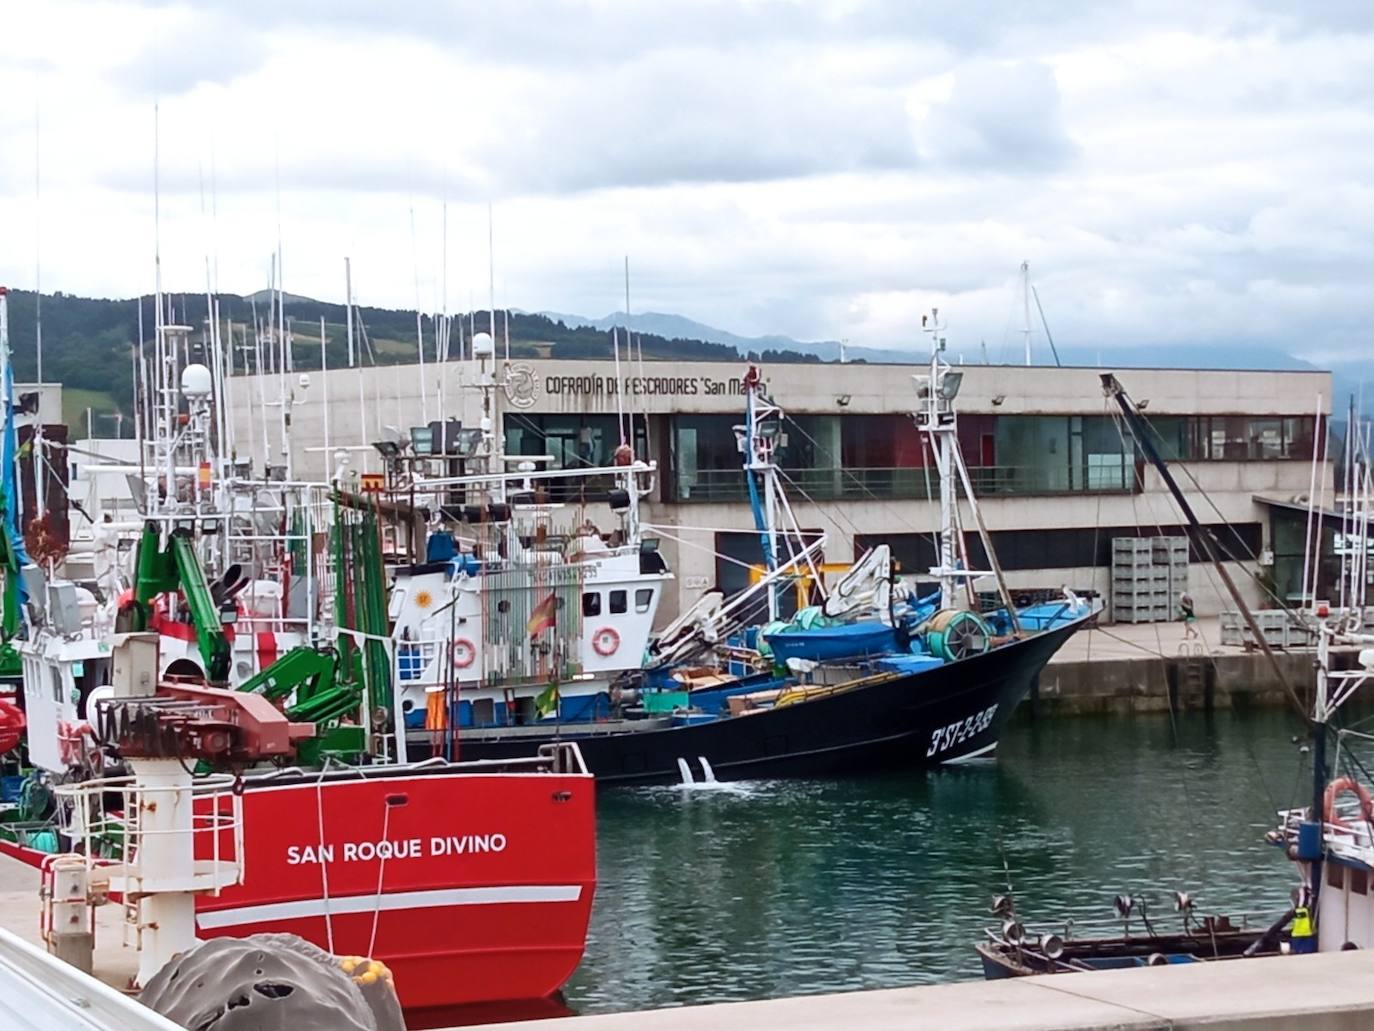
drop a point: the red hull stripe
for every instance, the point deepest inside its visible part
(439, 899)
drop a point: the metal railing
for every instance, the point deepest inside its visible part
(908, 483)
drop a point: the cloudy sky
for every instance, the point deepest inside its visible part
(1179, 172)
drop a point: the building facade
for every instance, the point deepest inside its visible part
(1056, 472)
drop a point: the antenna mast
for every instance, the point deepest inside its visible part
(1025, 306)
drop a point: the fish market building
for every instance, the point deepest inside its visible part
(1056, 474)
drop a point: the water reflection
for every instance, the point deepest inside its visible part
(779, 888)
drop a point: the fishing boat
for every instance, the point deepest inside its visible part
(472, 881)
(872, 678)
(1010, 950)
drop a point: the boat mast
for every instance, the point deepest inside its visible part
(1201, 537)
(1025, 307)
(757, 445)
(937, 419)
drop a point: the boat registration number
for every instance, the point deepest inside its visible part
(960, 731)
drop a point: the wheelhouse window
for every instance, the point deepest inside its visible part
(618, 602)
(644, 597)
(591, 603)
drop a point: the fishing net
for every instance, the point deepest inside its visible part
(273, 982)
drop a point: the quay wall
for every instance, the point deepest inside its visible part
(1173, 683)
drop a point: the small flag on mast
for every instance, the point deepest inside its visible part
(542, 617)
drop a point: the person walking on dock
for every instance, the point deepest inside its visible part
(1188, 613)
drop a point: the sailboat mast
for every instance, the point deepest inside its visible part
(1025, 307)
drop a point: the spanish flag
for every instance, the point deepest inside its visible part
(542, 617)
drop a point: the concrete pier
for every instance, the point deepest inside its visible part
(1329, 992)
(1150, 667)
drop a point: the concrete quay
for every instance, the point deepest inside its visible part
(1327, 992)
(1150, 667)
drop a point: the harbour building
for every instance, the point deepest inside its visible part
(1060, 484)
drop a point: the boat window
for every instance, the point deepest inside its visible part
(644, 597)
(57, 686)
(1335, 875)
(618, 602)
(1359, 882)
(591, 603)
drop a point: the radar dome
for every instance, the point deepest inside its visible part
(482, 345)
(196, 381)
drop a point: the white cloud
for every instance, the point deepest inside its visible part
(1173, 172)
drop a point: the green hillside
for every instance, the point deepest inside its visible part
(88, 343)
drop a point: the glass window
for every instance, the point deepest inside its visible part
(591, 603)
(618, 602)
(1266, 438)
(1297, 436)
(644, 597)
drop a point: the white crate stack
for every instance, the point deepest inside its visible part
(1171, 554)
(1281, 629)
(1140, 589)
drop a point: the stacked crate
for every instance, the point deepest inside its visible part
(1140, 591)
(1280, 629)
(1170, 557)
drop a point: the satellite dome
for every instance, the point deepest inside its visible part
(196, 381)
(482, 345)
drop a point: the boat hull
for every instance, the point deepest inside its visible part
(471, 887)
(951, 713)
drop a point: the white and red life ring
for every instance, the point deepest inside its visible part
(606, 641)
(1334, 791)
(464, 653)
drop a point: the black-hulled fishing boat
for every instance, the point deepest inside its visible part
(871, 678)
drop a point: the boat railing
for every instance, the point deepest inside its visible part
(107, 823)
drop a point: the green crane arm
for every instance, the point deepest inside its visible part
(320, 698)
(159, 571)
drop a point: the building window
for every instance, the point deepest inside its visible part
(572, 441)
(644, 597)
(591, 603)
(1054, 549)
(618, 602)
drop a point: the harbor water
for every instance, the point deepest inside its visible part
(759, 890)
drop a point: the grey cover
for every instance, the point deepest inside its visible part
(272, 982)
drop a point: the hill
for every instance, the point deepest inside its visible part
(88, 343)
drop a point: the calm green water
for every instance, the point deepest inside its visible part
(779, 888)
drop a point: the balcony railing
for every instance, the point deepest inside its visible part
(908, 484)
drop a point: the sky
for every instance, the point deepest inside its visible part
(1195, 173)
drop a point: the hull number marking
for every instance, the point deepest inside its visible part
(945, 738)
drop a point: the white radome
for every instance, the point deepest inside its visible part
(483, 346)
(196, 381)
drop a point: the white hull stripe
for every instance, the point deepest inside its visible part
(437, 899)
(972, 755)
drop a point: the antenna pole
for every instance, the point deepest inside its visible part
(37, 244)
(324, 393)
(1025, 306)
(491, 276)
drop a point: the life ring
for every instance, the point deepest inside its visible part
(464, 654)
(1334, 791)
(606, 641)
